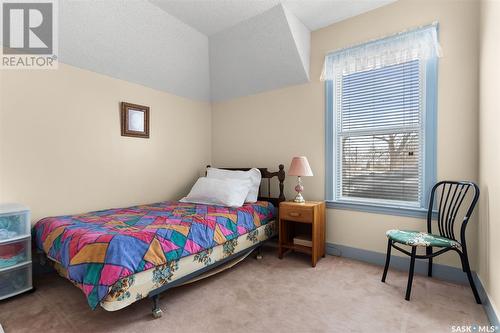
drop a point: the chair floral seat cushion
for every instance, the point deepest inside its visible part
(419, 238)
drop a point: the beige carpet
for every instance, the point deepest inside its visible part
(269, 295)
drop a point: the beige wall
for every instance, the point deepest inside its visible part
(271, 127)
(61, 149)
(489, 160)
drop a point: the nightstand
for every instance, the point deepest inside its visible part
(309, 216)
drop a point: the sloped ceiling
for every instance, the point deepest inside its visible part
(258, 54)
(212, 16)
(199, 49)
(137, 42)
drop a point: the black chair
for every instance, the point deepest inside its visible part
(454, 201)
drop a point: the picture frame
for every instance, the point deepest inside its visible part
(134, 120)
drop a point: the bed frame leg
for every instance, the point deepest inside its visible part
(156, 307)
(258, 253)
(42, 258)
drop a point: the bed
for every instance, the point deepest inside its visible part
(122, 255)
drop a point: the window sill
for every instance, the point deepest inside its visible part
(379, 209)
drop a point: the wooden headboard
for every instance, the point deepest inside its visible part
(267, 176)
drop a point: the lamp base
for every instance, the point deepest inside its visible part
(299, 198)
(299, 188)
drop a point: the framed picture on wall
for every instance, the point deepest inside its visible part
(134, 120)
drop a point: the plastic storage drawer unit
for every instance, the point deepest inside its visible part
(15, 250)
(15, 280)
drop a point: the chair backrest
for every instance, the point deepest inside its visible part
(453, 200)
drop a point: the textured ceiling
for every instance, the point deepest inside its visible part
(253, 45)
(212, 16)
(134, 41)
(265, 52)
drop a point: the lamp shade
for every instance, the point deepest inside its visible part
(300, 167)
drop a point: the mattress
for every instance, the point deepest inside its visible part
(98, 251)
(138, 286)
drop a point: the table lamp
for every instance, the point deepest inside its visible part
(300, 168)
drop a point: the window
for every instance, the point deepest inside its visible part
(381, 115)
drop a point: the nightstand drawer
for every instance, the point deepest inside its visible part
(297, 213)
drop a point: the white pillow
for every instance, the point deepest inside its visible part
(253, 175)
(223, 192)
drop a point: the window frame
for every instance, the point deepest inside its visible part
(429, 152)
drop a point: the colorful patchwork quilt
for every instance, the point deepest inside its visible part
(99, 248)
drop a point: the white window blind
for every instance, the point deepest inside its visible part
(379, 134)
(381, 123)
